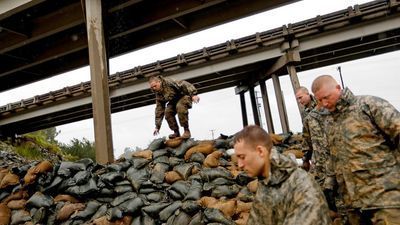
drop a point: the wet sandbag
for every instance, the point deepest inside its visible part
(8, 180)
(132, 205)
(209, 174)
(79, 178)
(174, 161)
(180, 186)
(221, 144)
(184, 147)
(245, 195)
(205, 147)
(65, 198)
(162, 159)
(156, 196)
(147, 154)
(119, 166)
(16, 196)
(172, 176)
(111, 177)
(173, 143)
(156, 144)
(197, 219)
(212, 160)
(85, 189)
(182, 218)
(158, 173)
(137, 177)
(225, 191)
(184, 170)
(120, 189)
(68, 209)
(16, 204)
(169, 210)
(215, 215)
(20, 217)
(228, 207)
(54, 184)
(39, 216)
(197, 157)
(101, 211)
(175, 195)
(90, 210)
(67, 168)
(276, 139)
(114, 213)
(191, 207)
(40, 200)
(153, 210)
(243, 179)
(138, 162)
(33, 172)
(160, 152)
(207, 201)
(195, 190)
(5, 214)
(124, 197)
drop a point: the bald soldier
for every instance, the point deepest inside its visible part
(364, 143)
(286, 194)
(173, 97)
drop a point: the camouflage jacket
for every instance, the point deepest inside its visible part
(364, 142)
(308, 108)
(316, 141)
(290, 196)
(171, 91)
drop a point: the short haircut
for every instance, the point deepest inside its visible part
(154, 78)
(254, 135)
(322, 80)
(302, 89)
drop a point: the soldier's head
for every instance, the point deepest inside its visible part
(327, 91)
(303, 96)
(155, 83)
(252, 148)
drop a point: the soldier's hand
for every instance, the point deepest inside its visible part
(195, 99)
(156, 132)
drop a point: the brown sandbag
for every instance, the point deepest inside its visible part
(242, 207)
(205, 147)
(16, 204)
(8, 180)
(298, 153)
(21, 194)
(228, 208)
(68, 209)
(172, 176)
(3, 173)
(212, 160)
(173, 143)
(65, 198)
(276, 139)
(243, 218)
(31, 174)
(147, 154)
(252, 186)
(206, 201)
(5, 214)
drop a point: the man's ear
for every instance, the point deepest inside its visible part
(261, 150)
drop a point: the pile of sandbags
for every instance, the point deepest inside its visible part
(171, 182)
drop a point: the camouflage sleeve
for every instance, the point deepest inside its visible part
(330, 179)
(386, 117)
(160, 110)
(306, 145)
(187, 88)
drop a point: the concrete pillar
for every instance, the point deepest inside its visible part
(99, 82)
(295, 82)
(267, 108)
(281, 107)
(244, 111)
(254, 106)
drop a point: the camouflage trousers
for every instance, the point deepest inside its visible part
(181, 107)
(374, 217)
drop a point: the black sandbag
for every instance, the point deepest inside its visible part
(39, 200)
(243, 179)
(79, 178)
(114, 213)
(182, 187)
(137, 177)
(120, 189)
(106, 191)
(162, 159)
(173, 161)
(184, 169)
(209, 174)
(147, 190)
(182, 218)
(67, 167)
(120, 166)
(138, 162)
(83, 190)
(111, 177)
(181, 149)
(245, 195)
(169, 210)
(101, 211)
(39, 216)
(197, 157)
(20, 217)
(156, 196)
(195, 190)
(221, 144)
(132, 205)
(54, 184)
(158, 173)
(147, 220)
(91, 209)
(123, 182)
(154, 209)
(197, 219)
(122, 198)
(175, 195)
(191, 207)
(160, 152)
(225, 190)
(215, 215)
(156, 144)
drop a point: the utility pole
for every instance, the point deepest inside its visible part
(258, 107)
(212, 133)
(339, 68)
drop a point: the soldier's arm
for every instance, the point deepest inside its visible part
(187, 88)
(306, 145)
(387, 118)
(160, 110)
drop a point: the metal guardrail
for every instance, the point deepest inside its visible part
(327, 22)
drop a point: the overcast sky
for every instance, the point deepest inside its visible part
(219, 111)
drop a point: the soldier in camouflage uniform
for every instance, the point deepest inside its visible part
(173, 97)
(286, 194)
(364, 143)
(308, 103)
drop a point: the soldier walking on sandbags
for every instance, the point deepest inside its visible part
(173, 97)
(364, 149)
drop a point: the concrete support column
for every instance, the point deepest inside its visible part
(295, 82)
(99, 82)
(254, 106)
(281, 107)
(244, 111)
(267, 108)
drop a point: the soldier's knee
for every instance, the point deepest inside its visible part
(169, 112)
(182, 109)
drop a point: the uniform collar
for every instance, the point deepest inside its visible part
(281, 168)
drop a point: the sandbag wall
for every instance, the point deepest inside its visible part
(171, 182)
